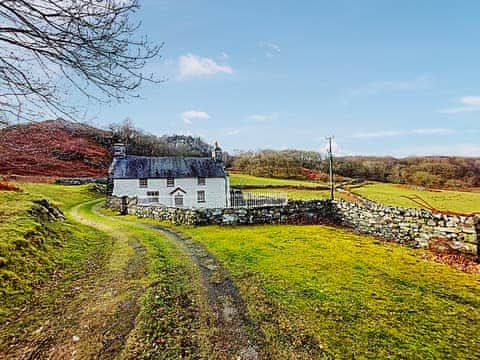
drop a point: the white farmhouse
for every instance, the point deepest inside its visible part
(171, 181)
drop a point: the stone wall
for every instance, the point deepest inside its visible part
(312, 212)
(415, 227)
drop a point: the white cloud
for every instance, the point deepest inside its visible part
(460, 149)
(393, 133)
(376, 134)
(188, 116)
(433, 131)
(469, 103)
(233, 132)
(271, 49)
(377, 87)
(263, 117)
(193, 66)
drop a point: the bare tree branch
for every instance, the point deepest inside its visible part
(54, 49)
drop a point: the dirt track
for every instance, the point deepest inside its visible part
(93, 316)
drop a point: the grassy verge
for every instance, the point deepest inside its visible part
(318, 288)
(33, 248)
(447, 200)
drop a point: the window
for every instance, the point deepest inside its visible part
(152, 196)
(143, 183)
(178, 200)
(201, 196)
(201, 181)
(170, 182)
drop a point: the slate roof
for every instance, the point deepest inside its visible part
(136, 167)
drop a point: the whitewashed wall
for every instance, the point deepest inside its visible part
(216, 191)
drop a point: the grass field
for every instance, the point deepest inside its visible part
(31, 247)
(245, 179)
(318, 289)
(391, 194)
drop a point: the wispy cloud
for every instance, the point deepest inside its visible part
(433, 131)
(377, 134)
(459, 149)
(468, 104)
(233, 132)
(377, 87)
(394, 133)
(189, 116)
(195, 66)
(263, 117)
(271, 49)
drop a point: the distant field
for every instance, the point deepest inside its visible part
(244, 179)
(299, 194)
(315, 289)
(447, 200)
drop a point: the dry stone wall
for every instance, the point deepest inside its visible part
(295, 212)
(415, 227)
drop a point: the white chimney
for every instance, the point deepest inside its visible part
(119, 150)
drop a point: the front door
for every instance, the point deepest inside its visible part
(178, 200)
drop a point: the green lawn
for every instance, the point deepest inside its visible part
(391, 194)
(245, 179)
(317, 289)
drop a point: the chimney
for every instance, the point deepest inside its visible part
(217, 153)
(119, 150)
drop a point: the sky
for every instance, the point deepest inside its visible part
(388, 78)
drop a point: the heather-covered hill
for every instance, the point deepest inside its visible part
(59, 148)
(52, 148)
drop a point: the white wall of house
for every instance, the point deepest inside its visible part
(216, 191)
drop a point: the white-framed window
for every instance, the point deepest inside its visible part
(201, 181)
(170, 181)
(153, 193)
(201, 196)
(178, 200)
(143, 183)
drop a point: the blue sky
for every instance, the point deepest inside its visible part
(385, 77)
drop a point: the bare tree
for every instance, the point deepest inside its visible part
(51, 49)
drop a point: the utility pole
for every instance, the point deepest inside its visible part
(330, 161)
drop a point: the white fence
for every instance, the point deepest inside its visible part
(237, 200)
(257, 199)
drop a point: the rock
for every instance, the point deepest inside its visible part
(75, 338)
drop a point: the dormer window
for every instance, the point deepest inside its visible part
(201, 181)
(170, 182)
(143, 183)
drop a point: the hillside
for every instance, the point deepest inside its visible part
(52, 148)
(59, 148)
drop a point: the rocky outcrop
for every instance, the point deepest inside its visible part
(45, 211)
